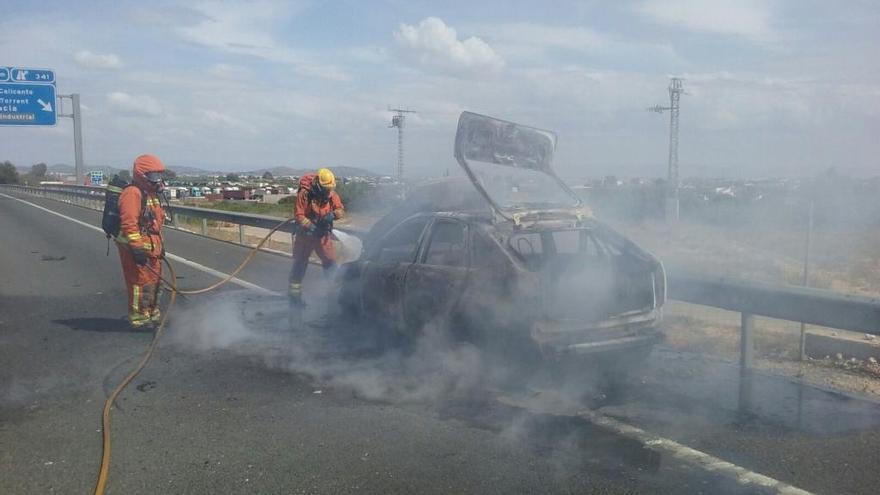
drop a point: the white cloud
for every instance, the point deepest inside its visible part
(546, 36)
(531, 43)
(251, 29)
(323, 71)
(582, 89)
(91, 60)
(433, 44)
(369, 54)
(140, 105)
(739, 100)
(230, 72)
(237, 27)
(223, 120)
(747, 18)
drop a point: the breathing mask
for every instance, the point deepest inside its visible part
(156, 179)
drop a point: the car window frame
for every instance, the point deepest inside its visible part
(497, 250)
(426, 243)
(377, 249)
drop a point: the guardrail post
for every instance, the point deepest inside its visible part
(744, 399)
(205, 226)
(241, 234)
(746, 340)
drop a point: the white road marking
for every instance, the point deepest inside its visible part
(552, 404)
(174, 257)
(690, 455)
(219, 274)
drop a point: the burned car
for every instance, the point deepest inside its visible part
(509, 258)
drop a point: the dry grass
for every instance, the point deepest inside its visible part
(844, 259)
(694, 328)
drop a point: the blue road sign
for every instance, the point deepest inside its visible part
(27, 96)
(97, 177)
(21, 75)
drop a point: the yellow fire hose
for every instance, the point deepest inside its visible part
(101, 483)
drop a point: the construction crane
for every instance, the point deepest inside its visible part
(399, 120)
(675, 92)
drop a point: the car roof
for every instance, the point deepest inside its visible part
(464, 216)
(504, 227)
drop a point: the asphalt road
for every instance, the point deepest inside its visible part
(235, 402)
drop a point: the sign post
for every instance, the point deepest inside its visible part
(77, 137)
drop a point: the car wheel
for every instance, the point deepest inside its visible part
(619, 367)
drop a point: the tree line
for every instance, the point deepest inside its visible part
(9, 174)
(39, 172)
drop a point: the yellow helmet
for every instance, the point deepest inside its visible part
(326, 178)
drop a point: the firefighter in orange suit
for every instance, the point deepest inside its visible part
(140, 239)
(317, 206)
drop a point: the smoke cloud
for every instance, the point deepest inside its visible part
(336, 353)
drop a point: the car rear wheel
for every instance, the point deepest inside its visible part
(617, 368)
(594, 376)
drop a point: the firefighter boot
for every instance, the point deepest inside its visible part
(139, 321)
(295, 294)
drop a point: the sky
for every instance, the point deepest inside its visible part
(774, 87)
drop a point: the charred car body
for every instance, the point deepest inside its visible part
(511, 258)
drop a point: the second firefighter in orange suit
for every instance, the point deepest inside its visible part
(317, 206)
(140, 239)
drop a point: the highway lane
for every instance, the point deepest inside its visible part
(219, 421)
(267, 270)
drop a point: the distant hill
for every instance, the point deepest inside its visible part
(184, 170)
(341, 171)
(193, 171)
(63, 168)
(58, 168)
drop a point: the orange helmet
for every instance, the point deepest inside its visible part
(148, 169)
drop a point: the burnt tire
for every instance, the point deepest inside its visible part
(619, 367)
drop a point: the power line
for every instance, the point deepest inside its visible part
(399, 121)
(675, 91)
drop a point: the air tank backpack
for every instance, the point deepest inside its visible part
(110, 221)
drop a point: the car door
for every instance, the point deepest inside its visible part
(435, 282)
(385, 270)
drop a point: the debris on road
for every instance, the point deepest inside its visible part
(147, 385)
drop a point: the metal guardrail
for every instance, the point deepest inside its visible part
(786, 302)
(93, 197)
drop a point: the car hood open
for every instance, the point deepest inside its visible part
(511, 166)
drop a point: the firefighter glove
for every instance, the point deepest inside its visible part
(140, 256)
(324, 225)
